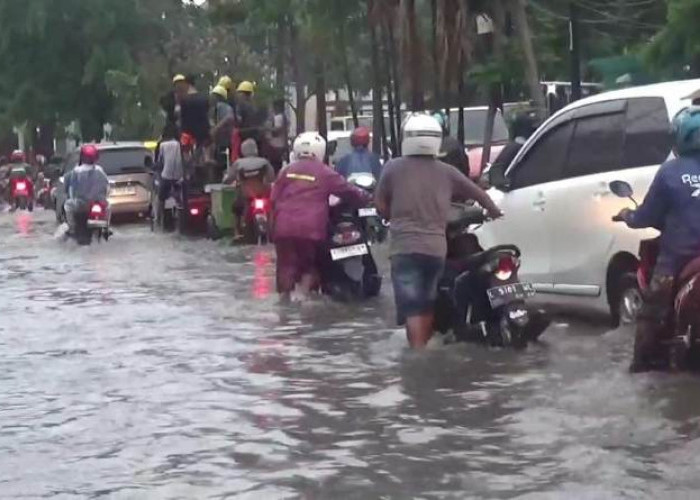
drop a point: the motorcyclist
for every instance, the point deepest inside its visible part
(86, 183)
(451, 150)
(524, 125)
(18, 167)
(361, 159)
(301, 212)
(671, 206)
(253, 176)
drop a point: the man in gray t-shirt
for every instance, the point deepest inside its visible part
(415, 193)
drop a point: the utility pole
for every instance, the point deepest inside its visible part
(574, 46)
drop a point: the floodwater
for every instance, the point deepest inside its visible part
(155, 367)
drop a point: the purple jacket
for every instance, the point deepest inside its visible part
(300, 199)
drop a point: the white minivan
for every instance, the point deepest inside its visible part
(558, 206)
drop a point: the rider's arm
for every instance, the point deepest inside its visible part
(463, 187)
(652, 212)
(338, 186)
(376, 166)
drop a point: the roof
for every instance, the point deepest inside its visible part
(106, 146)
(678, 90)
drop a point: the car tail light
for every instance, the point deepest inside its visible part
(194, 211)
(96, 209)
(506, 267)
(21, 186)
(259, 204)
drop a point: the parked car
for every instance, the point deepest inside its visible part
(557, 201)
(129, 168)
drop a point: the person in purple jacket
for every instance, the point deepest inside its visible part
(300, 214)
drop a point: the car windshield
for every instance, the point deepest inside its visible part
(475, 126)
(124, 161)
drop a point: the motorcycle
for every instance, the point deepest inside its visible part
(480, 296)
(377, 227)
(352, 272)
(43, 196)
(22, 192)
(682, 350)
(91, 221)
(260, 214)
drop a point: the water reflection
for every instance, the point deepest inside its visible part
(155, 367)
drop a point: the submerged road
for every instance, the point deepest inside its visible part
(155, 367)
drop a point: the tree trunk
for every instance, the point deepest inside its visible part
(389, 92)
(396, 77)
(412, 51)
(321, 108)
(495, 90)
(531, 72)
(279, 55)
(348, 75)
(377, 111)
(436, 65)
(298, 78)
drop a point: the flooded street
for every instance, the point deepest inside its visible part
(155, 367)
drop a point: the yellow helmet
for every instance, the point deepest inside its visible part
(225, 82)
(179, 78)
(246, 87)
(221, 91)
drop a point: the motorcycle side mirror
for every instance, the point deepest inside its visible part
(623, 189)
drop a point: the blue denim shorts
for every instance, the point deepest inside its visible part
(415, 278)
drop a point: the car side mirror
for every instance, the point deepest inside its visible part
(621, 189)
(332, 147)
(495, 178)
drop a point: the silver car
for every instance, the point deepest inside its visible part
(129, 168)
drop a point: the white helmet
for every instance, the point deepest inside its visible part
(422, 136)
(309, 145)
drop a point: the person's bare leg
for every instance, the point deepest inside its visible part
(419, 330)
(308, 284)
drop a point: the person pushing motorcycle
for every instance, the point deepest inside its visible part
(672, 206)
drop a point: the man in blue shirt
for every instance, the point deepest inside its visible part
(673, 207)
(361, 160)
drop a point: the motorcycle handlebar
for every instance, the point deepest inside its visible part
(617, 218)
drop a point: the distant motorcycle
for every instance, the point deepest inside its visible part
(260, 214)
(21, 190)
(91, 221)
(480, 297)
(682, 350)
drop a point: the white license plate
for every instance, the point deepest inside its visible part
(125, 191)
(347, 252)
(97, 224)
(367, 212)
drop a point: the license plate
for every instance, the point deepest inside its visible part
(122, 191)
(367, 212)
(347, 252)
(502, 295)
(101, 224)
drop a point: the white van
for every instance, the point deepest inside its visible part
(558, 206)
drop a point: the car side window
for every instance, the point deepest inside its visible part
(544, 161)
(597, 145)
(648, 138)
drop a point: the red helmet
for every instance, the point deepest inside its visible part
(89, 154)
(187, 141)
(360, 137)
(18, 156)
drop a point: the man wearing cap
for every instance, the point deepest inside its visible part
(222, 122)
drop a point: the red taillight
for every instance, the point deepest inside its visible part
(96, 209)
(259, 203)
(347, 237)
(194, 211)
(506, 267)
(21, 186)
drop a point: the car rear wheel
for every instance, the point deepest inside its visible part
(628, 300)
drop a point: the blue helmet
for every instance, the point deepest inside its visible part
(686, 131)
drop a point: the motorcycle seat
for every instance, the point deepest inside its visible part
(690, 270)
